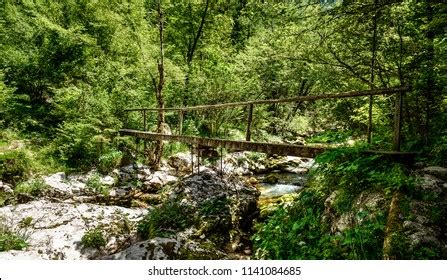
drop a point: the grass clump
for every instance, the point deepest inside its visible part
(94, 239)
(11, 239)
(33, 187)
(95, 185)
(109, 161)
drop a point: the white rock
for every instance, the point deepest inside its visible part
(437, 171)
(154, 249)
(58, 182)
(6, 188)
(56, 229)
(108, 180)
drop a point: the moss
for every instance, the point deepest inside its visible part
(204, 251)
(165, 220)
(271, 179)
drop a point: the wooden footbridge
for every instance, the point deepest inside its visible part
(247, 144)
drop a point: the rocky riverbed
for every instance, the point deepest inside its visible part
(119, 210)
(55, 220)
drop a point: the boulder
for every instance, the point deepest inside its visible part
(437, 171)
(167, 249)
(158, 179)
(225, 203)
(214, 212)
(181, 162)
(6, 188)
(55, 230)
(59, 185)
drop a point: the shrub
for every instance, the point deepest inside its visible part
(14, 166)
(93, 239)
(109, 161)
(355, 170)
(76, 144)
(33, 187)
(167, 219)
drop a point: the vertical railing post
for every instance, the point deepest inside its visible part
(191, 148)
(126, 119)
(145, 129)
(397, 121)
(144, 121)
(370, 111)
(180, 123)
(249, 121)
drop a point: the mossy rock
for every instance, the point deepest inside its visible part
(271, 179)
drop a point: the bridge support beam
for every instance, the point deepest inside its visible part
(180, 123)
(249, 121)
(397, 122)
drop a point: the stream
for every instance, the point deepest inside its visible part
(286, 183)
(290, 176)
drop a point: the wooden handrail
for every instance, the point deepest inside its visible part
(349, 94)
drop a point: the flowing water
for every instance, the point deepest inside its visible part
(286, 183)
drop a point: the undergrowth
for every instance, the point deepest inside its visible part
(303, 229)
(165, 220)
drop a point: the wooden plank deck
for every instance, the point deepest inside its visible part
(268, 148)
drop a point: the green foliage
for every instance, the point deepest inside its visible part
(76, 144)
(354, 170)
(34, 187)
(214, 206)
(14, 166)
(109, 161)
(5, 198)
(94, 184)
(26, 222)
(330, 136)
(94, 239)
(9, 238)
(437, 154)
(174, 148)
(165, 220)
(69, 69)
(296, 231)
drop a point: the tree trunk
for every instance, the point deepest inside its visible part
(393, 225)
(430, 82)
(159, 91)
(373, 60)
(192, 49)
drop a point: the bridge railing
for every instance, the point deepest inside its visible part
(398, 91)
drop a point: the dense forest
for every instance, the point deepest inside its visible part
(70, 69)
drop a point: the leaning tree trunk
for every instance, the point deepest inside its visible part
(393, 226)
(158, 152)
